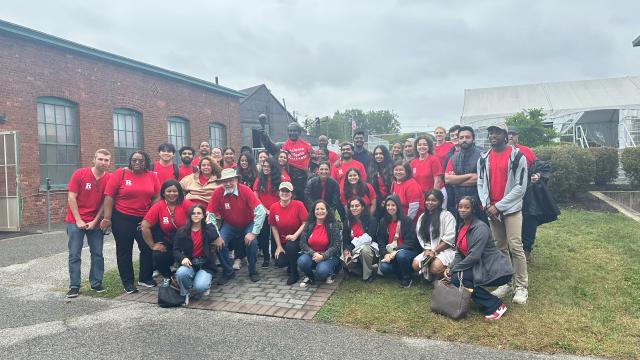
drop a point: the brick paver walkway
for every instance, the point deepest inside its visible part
(270, 296)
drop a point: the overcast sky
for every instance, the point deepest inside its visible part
(412, 57)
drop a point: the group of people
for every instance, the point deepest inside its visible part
(441, 209)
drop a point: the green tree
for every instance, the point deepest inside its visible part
(530, 127)
(338, 126)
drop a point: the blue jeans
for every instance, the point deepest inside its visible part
(228, 234)
(95, 239)
(194, 276)
(400, 265)
(324, 269)
(486, 302)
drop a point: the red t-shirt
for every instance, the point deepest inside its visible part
(393, 225)
(285, 174)
(528, 154)
(164, 172)
(318, 240)
(367, 199)
(338, 172)
(90, 194)
(498, 173)
(196, 239)
(461, 240)
(287, 219)
(441, 151)
(184, 170)
(237, 211)
(409, 191)
(159, 214)
(356, 230)
(425, 170)
(381, 186)
(232, 166)
(299, 153)
(268, 197)
(132, 193)
(333, 157)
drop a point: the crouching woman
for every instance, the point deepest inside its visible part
(196, 244)
(478, 262)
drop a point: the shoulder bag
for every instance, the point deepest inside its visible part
(449, 300)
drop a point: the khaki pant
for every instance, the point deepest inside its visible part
(364, 263)
(508, 237)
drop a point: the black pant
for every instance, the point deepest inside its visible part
(299, 181)
(162, 261)
(264, 239)
(529, 228)
(290, 257)
(486, 302)
(125, 229)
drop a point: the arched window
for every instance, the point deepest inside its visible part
(217, 135)
(178, 132)
(58, 140)
(127, 134)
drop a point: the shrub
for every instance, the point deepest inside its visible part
(606, 164)
(571, 169)
(631, 164)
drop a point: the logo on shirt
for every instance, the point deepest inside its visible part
(87, 186)
(165, 220)
(277, 217)
(340, 171)
(127, 183)
(415, 170)
(227, 206)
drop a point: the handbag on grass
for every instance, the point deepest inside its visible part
(169, 297)
(450, 300)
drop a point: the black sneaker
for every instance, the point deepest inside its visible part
(98, 288)
(406, 283)
(73, 292)
(265, 263)
(292, 279)
(225, 279)
(148, 283)
(254, 277)
(130, 289)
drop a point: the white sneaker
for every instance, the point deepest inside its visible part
(521, 296)
(305, 282)
(186, 300)
(237, 264)
(206, 293)
(502, 291)
(329, 280)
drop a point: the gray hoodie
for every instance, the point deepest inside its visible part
(511, 202)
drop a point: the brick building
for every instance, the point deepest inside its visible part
(64, 100)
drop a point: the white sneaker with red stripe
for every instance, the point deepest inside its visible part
(498, 313)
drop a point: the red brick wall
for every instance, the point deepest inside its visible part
(29, 70)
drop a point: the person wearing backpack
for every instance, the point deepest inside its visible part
(502, 181)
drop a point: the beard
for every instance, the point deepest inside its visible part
(187, 161)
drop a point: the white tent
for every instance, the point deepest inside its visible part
(597, 112)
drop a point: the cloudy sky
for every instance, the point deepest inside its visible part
(413, 57)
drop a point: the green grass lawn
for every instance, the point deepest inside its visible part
(584, 296)
(111, 282)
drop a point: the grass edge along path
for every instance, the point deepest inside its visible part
(584, 296)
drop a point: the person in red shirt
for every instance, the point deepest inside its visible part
(287, 218)
(408, 191)
(354, 186)
(320, 244)
(380, 176)
(195, 245)
(204, 150)
(528, 154)
(397, 242)
(85, 197)
(129, 194)
(247, 169)
(283, 158)
(298, 156)
(358, 233)
(187, 166)
(229, 158)
(266, 188)
(165, 167)
(238, 214)
(426, 168)
(339, 170)
(169, 214)
(441, 147)
(323, 154)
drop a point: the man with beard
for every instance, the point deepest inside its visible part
(204, 150)
(359, 152)
(186, 156)
(340, 169)
(299, 157)
(461, 174)
(502, 181)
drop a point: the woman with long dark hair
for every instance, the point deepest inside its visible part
(436, 232)
(266, 188)
(320, 245)
(199, 186)
(170, 213)
(283, 162)
(247, 169)
(196, 244)
(360, 251)
(129, 194)
(478, 262)
(228, 158)
(397, 242)
(407, 190)
(380, 175)
(426, 168)
(353, 186)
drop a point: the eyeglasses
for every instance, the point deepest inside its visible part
(140, 161)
